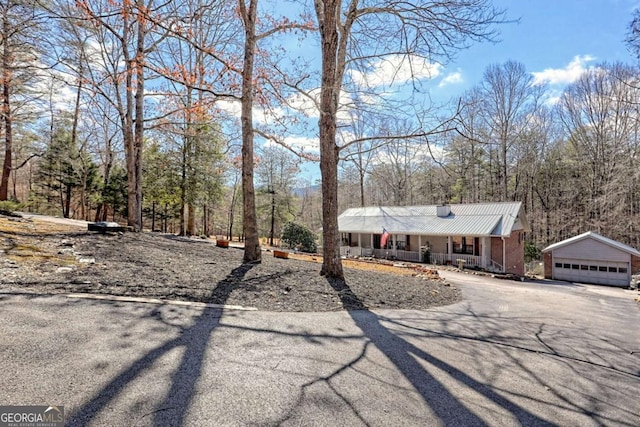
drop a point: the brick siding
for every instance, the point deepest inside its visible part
(515, 254)
(548, 265)
(496, 250)
(635, 264)
(514, 250)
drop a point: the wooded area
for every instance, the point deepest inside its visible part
(178, 117)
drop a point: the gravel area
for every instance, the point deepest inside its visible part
(165, 266)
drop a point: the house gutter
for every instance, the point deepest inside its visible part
(504, 256)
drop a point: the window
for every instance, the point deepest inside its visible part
(593, 268)
(622, 270)
(558, 265)
(575, 266)
(613, 270)
(602, 268)
(462, 245)
(567, 265)
(584, 267)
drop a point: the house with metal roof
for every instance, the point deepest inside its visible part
(591, 258)
(485, 235)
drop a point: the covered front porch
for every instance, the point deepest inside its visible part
(471, 251)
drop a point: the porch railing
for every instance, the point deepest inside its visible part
(351, 251)
(469, 260)
(436, 258)
(495, 266)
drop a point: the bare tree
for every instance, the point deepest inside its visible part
(276, 174)
(249, 15)
(396, 167)
(633, 33)
(124, 30)
(361, 153)
(599, 113)
(19, 57)
(510, 101)
(432, 30)
(187, 106)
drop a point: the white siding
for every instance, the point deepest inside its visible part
(590, 249)
(594, 271)
(438, 244)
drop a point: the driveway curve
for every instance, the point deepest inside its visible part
(509, 354)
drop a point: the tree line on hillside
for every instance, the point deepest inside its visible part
(573, 162)
(178, 116)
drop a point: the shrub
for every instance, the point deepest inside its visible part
(299, 237)
(8, 207)
(531, 252)
(426, 255)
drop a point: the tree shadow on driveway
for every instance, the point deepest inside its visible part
(445, 405)
(194, 339)
(441, 397)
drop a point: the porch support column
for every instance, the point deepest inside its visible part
(371, 241)
(450, 249)
(394, 242)
(486, 246)
(504, 255)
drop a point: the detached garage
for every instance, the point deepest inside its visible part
(591, 258)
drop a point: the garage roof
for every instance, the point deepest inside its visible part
(596, 236)
(477, 219)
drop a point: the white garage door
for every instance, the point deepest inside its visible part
(592, 271)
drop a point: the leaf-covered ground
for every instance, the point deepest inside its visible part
(42, 257)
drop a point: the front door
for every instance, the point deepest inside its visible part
(376, 241)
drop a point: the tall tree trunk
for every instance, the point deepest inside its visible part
(153, 216)
(361, 176)
(74, 135)
(331, 83)
(135, 210)
(191, 219)
(6, 112)
(249, 224)
(101, 211)
(232, 208)
(127, 125)
(504, 171)
(273, 216)
(183, 189)
(67, 203)
(205, 220)
(134, 120)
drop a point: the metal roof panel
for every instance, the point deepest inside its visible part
(596, 236)
(481, 219)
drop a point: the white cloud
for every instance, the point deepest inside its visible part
(298, 143)
(233, 108)
(303, 143)
(261, 116)
(397, 69)
(307, 105)
(566, 75)
(451, 78)
(418, 153)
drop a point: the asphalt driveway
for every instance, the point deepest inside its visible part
(510, 354)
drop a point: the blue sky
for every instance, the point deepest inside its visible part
(556, 40)
(556, 37)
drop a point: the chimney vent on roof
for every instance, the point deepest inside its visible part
(443, 211)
